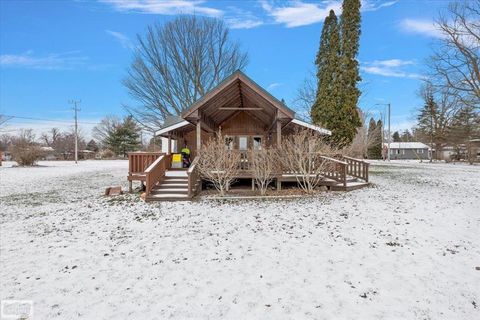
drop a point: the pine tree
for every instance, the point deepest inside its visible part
(465, 127)
(396, 137)
(427, 121)
(92, 146)
(327, 61)
(338, 73)
(372, 128)
(406, 136)
(124, 138)
(350, 75)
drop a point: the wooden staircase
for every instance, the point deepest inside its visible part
(174, 186)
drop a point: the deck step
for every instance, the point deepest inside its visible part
(174, 184)
(350, 186)
(167, 197)
(170, 191)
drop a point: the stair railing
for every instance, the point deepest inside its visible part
(193, 177)
(335, 169)
(156, 171)
(357, 168)
(139, 161)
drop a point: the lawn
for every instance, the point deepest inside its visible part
(406, 248)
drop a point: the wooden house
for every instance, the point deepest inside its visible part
(248, 116)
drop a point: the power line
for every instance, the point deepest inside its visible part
(51, 120)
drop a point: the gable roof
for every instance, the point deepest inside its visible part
(407, 145)
(238, 75)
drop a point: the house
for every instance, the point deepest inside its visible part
(248, 116)
(409, 150)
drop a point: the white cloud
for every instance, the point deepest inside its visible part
(390, 68)
(53, 61)
(300, 13)
(237, 18)
(165, 7)
(423, 27)
(274, 85)
(124, 41)
(374, 5)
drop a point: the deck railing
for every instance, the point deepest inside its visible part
(138, 162)
(335, 169)
(156, 171)
(193, 177)
(357, 168)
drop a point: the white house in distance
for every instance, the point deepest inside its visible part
(409, 150)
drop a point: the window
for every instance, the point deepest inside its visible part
(257, 143)
(229, 143)
(242, 143)
(403, 151)
(420, 150)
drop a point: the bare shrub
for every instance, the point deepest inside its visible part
(264, 166)
(302, 154)
(24, 150)
(217, 164)
(107, 154)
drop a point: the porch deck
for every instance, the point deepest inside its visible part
(165, 183)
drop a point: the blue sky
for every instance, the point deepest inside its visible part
(54, 51)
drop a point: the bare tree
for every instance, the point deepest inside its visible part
(306, 96)
(264, 166)
(105, 129)
(365, 138)
(302, 155)
(177, 63)
(435, 117)
(217, 164)
(51, 138)
(24, 150)
(456, 60)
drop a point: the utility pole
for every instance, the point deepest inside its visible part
(389, 136)
(76, 109)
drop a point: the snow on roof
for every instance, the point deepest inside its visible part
(311, 126)
(407, 145)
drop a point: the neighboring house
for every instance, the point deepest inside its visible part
(409, 150)
(48, 153)
(86, 154)
(247, 115)
(474, 150)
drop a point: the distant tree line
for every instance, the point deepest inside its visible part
(450, 114)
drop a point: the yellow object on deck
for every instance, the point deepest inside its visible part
(177, 157)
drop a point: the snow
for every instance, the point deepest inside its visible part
(405, 248)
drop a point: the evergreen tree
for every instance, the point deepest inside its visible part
(338, 73)
(379, 141)
(124, 137)
(429, 120)
(350, 74)
(92, 146)
(327, 62)
(406, 136)
(372, 128)
(396, 137)
(465, 127)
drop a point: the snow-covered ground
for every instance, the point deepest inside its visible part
(406, 248)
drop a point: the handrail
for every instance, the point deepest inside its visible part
(336, 170)
(155, 172)
(357, 168)
(193, 177)
(139, 161)
(334, 160)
